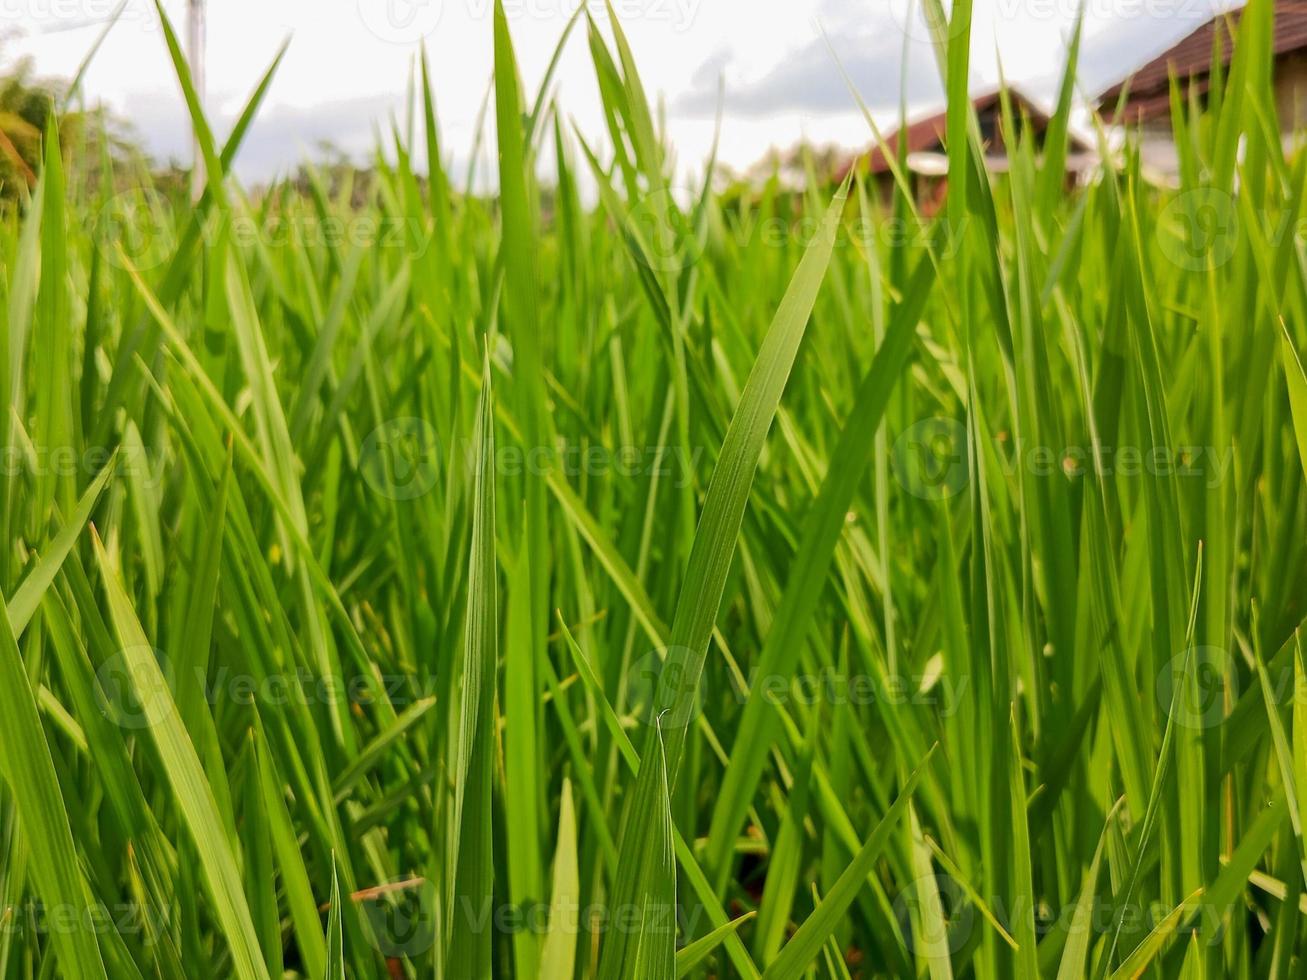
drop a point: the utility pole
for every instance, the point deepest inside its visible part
(195, 49)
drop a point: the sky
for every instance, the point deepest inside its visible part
(774, 65)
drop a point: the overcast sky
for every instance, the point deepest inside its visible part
(350, 61)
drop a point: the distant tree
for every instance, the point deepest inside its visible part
(25, 107)
(26, 102)
(792, 166)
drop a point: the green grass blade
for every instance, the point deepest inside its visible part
(1296, 378)
(558, 957)
(805, 944)
(335, 934)
(471, 887)
(191, 792)
(27, 597)
(30, 774)
(689, 956)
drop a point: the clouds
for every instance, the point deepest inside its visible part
(1028, 36)
(341, 81)
(281, 136)
(810, 80)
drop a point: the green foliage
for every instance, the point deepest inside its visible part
(28, 106)
(399, 582)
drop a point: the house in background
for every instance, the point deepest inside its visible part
(1143, 98)
(927, 160)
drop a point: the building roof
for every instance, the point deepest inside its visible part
(926, 135)
(1148, 88)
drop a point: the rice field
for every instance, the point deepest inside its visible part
(624, 578)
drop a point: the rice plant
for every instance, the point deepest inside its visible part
(404, 582)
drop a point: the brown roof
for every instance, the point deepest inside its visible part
(924, 134)
(927, 134)
(1191, 58)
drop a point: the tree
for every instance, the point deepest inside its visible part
(26, 102)
(25, 106)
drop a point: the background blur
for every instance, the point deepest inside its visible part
(350, 62)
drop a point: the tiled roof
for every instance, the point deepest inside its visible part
(1148, 87)
(927, 134)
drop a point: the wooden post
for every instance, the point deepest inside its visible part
(195, 50)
